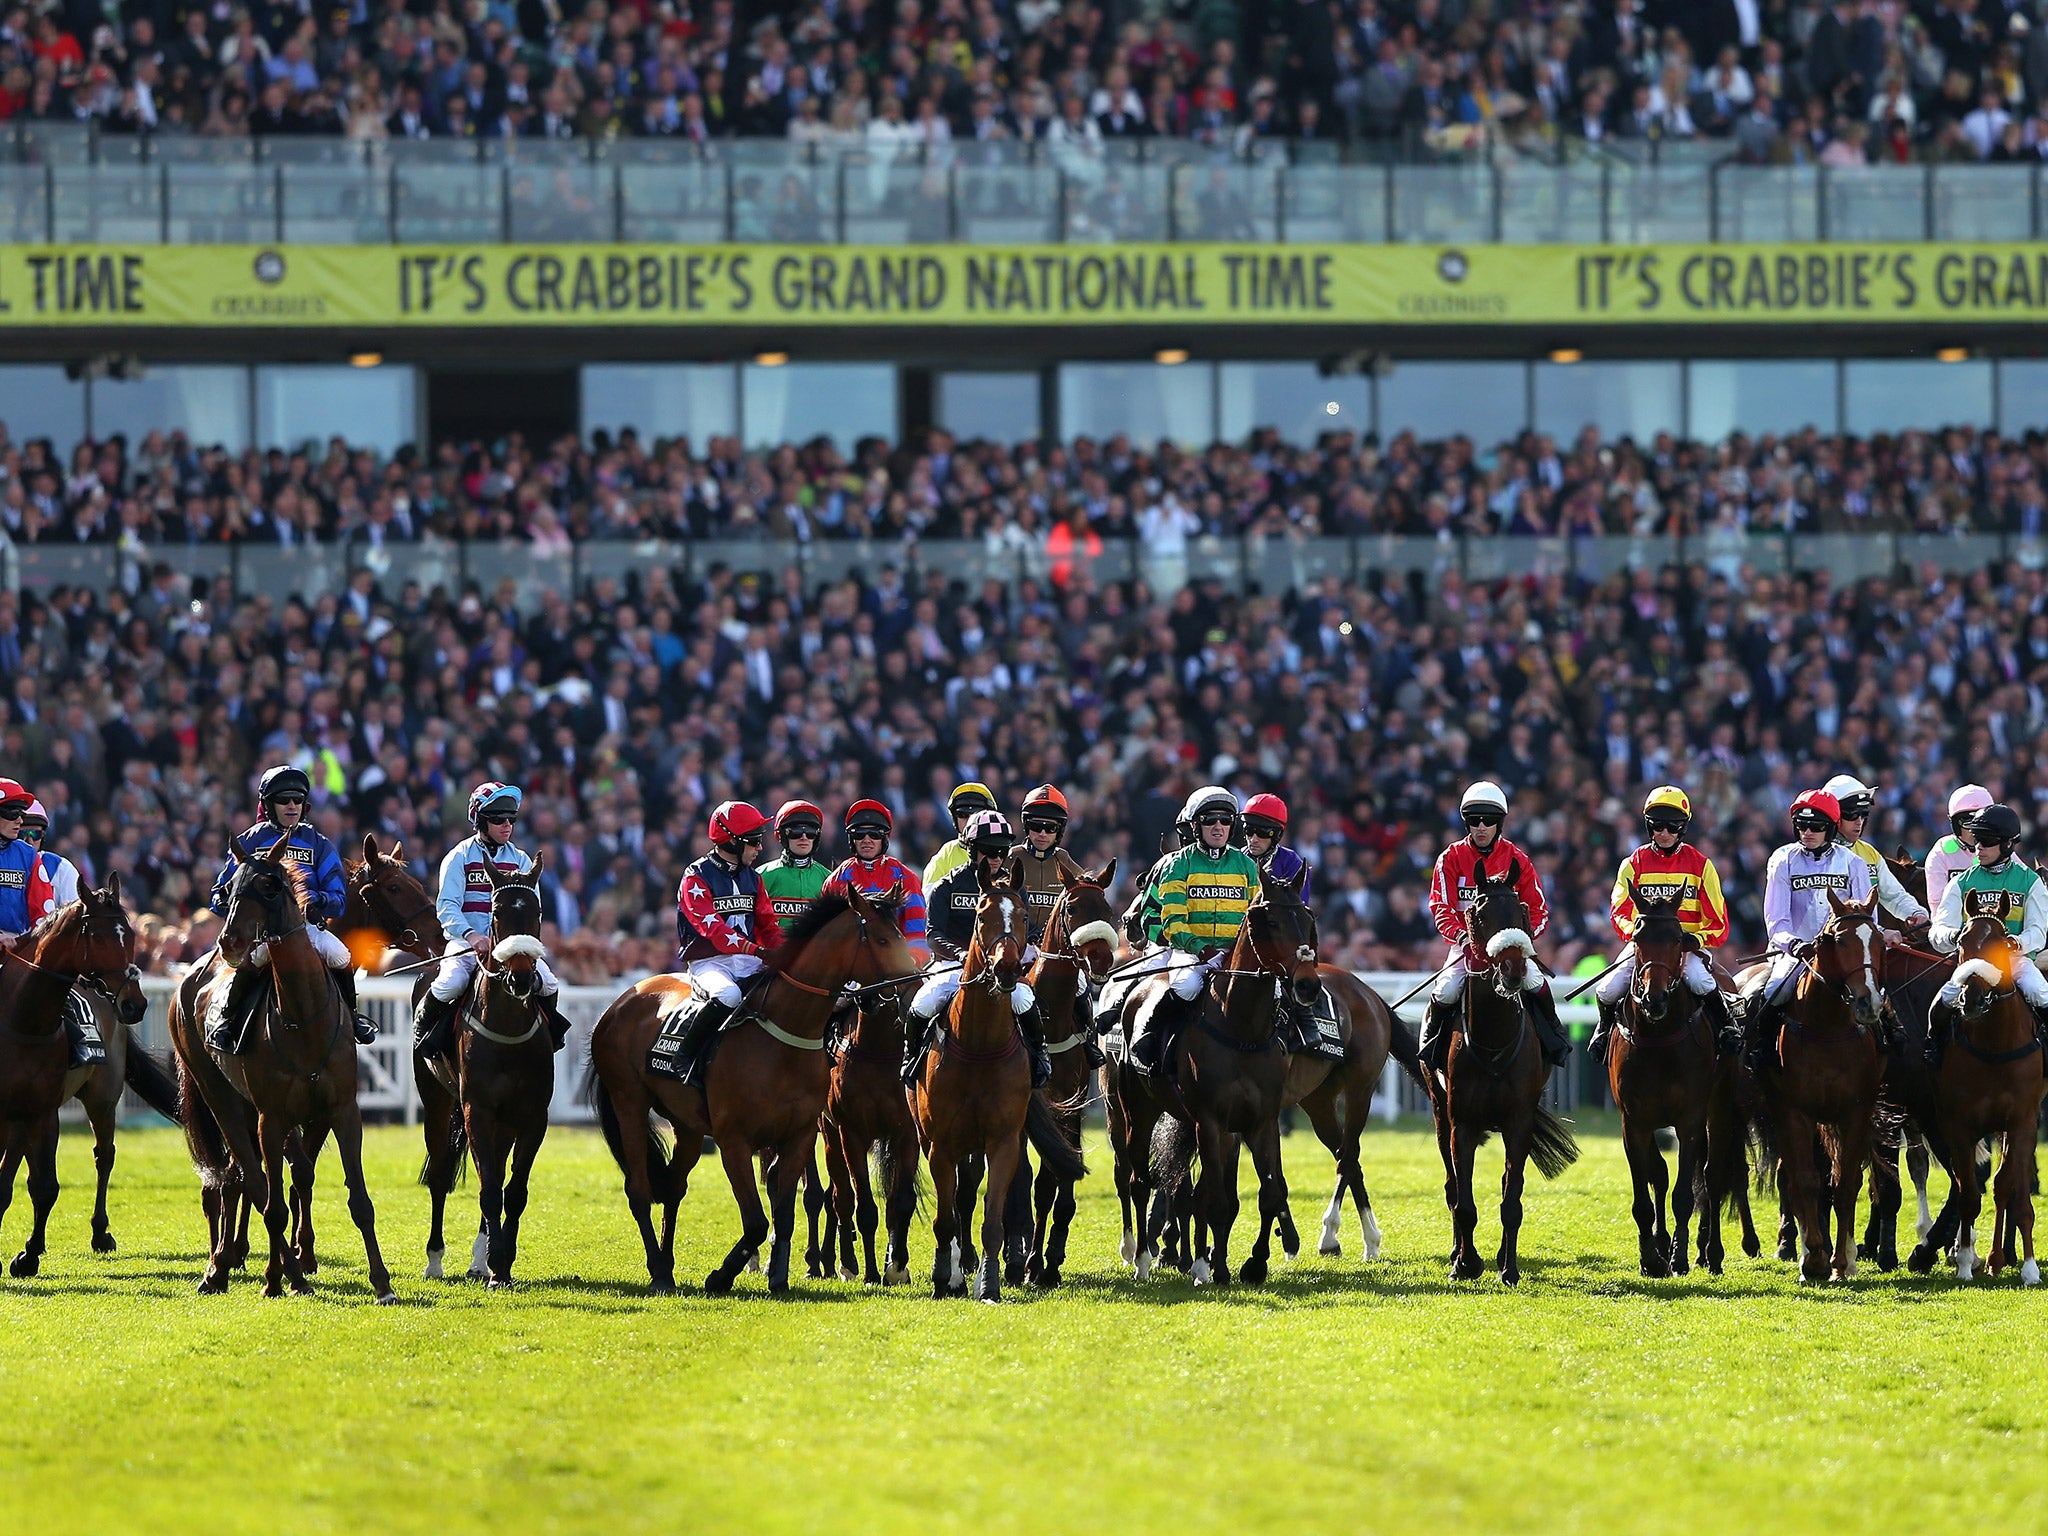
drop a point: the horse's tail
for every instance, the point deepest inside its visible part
(152, 1081)
(1552, 1147)
(889, 1155)
(203, 1136)
(458, 1147)
(1404, 1048)
(1063, 1157)
(660, 1172)
(1172, 1153)
(1763, 1138)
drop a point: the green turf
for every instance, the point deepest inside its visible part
(1342, 1394)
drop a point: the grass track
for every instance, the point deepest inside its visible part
(1340, 1395)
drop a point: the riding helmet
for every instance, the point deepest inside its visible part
(869, 815)
(795, 816)
(734, 820)
(1667, 806)
(283, 780)
(988, 832)
(1484, 796)
(14, 795)
(492, 794)
(1819, 810)
(1964, 804)
(1266, 815)
(1854, 796)
(969, 797)
(1998, 824)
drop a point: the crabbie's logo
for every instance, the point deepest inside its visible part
(790, 906)
(269, 269)
(1825, 881)
(14, 877)
(1998, 904)
(1664, 890)
(1215, 892)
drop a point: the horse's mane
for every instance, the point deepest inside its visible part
(809, 924)
(295, 876)
(32, 941)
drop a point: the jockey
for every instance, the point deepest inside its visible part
(2002, 885)
(795, 879)
(463, 905)
(965, 803)
(55, 883)
(1045, 866)
(1664, 864)
(1955, 853)
(27, 892)
(1141, 917)
(872, 871)
(1453, 887)
(282, 793)
(1801, 877)
(1200, 900)
(1857, 800)
(1265, 823)
(953, 901)
(725, 921)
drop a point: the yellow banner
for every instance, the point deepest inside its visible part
(356, 287)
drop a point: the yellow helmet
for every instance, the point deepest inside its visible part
(970, 797)
(1670, 799)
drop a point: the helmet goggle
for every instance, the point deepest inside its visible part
(1260, 826)
(1481, 817)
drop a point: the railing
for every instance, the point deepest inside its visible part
(78, 188)
(1262, 564)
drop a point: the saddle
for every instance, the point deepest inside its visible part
(82, 1030)
(1313, 1030)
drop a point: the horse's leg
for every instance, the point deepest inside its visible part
(1796, 1190)
(42, 1195)
(1646, 1177)
(630, 1108)
(103, 1111)
(1692, 1157)
(1119, 1140)
(1852, 1151)
(2015, 1192)
(746, 1194)
(1465, 1260)
(1968, 1198)
(900, 1204)
(284, 1264)
(818, 1244)
(1062, 1223)
(1017, 1230)
(488, 1145)
(1216, 1200)
(302, 1155)
(347, 1123)
(1881, 1245)
(794, 1157)
(10, 1163)
(1005, 1159)
(1515, 1142)
(945, 1218)
(843, 1190)
(1044, 1195)
(1916, 1164)
(438, 1110)
(973, 1168)
(525, 1148)
(1709, 1189)
(1265, 1150)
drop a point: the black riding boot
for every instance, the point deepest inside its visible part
(1597, 1046)
(1031, 1025)
(1550, 1035)
(1758, 1019)
(917, 1044)
(432, 1026)
(366, 1031)
(245, 991)
(1727, 1037)
(1151, 1032)
(679, 1046)
(1084, 1023)
(1434, 1048)
(558, 1023)
(1940, 1021)
(2040, 1012)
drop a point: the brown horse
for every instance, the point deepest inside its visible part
(1990, 1086)
(1829, 1069)
(1493, 1081)
(87, 940)
(867, 1110)
(973, 1091)
(1337, 1098)
(505, 1079)
(299, 1071)
(1661, 1071)
(764, 1089)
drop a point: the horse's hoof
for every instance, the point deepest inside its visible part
(1751, 1247)
(273, 1290)
(433, 1269)
(1202, 1272)
(1787, 1252)
(1330, 1248)
(779, 1287)
(1887, 1260)
(1655, 1268)
(25, 1265)
(754, 1263)
(1863, 1251)
(1047, 1279)
(211, 1284)
(2030, 1274)
(1680, 1262)
(388, 1299)
(1252, 1271)
(1511, 1276)
(103, 1242)
(1128, 1250)
(718, 1283)
(896, 1275)
(300, 1285)
(1713, 1267)
(1145, 1265)
(1921, 1260)
(495, 1284)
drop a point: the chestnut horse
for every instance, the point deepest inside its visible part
(1661, 1071)
(505, 1077)
(763, 1091)
(1493, 1081)
(1829, 1069)
(1990, 1086)
(86, 940)
(298, 1072)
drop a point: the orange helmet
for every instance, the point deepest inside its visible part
(1046, 803)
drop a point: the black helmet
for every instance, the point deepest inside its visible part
(1998, 824)
(283, 780)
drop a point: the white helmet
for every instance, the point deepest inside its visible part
(1484, 796)
(1855, 797)
(1208, 795)
(1970, 798)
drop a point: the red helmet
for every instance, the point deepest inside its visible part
(798, 813)
(733, 820)
(1047, 803)
(1817, 808)
(12, 793)
(1266, 808)
(869, 814)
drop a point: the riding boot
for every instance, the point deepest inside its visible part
(2040, 1012)
(1727, 1037)
(1597, 1046)
(1434, 1048)
(1084, 1024)
(678, 1048)
(1031, 1025)
(245, 991)
(917, 1044)
(366, 1031)
(1550, 1035)
(1940, 1020)
(558, 1023)
(433, 1026)
(1759, 1019)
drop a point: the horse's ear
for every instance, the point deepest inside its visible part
(369, 848)
(243, 853)
(895, 895)
(114, 887)
(1836, 905)
(1903, 856)
(1070, 879)
(1514, 873)
(1104, 877)
(1300, 878)
(397, 844)
(981, 877)
(491, 872)
(540, 862)
(275, 852)
(857, 900)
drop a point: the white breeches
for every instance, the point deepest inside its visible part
(1451, 985)
(1698, 979)
(458, 964)
(1778, 981)
(2025, 974)
(942, 985)
(1192, 973)
(720, 975)
(325, 945)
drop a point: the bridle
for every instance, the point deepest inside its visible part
(850, 990)
(1835, 935)
(1008, 947)
(1068, 945)
(407, 935)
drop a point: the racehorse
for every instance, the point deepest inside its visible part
(1990, 1085)
(299, 1071)
(505, 1079)
(763, 1091)
(1660, 1068)
(86, 940)
(866, 1109)
(1828, 1048)
(1493, 1081)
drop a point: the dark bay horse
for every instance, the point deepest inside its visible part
(505, 1081)
(764, 1089)
(1337, 1098)
(1829, 1068)
(866, 1109)
(1990, 1086)
(88, 940)
(298, 1072)
(1661, 1070)
(1493, 1081)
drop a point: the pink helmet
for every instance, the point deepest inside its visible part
(1965, 803)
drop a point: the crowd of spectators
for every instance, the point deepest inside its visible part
(1061, 497)
(627, 709)
(1844, 81)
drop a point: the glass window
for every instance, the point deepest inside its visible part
(364, 407)
(1293, 397)
(1147, 401)
(799, 401)
(1890, 396)
(1757, 397)
(1001, 407)
(1487, 402)
(38, 401)
(2022, 396)
(1636, 400)
(208, 404)
(697, 401)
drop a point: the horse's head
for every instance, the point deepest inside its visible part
(386, 905)
(515, 926)
(1986, 956)
(850, 937)
(1280, 932)
(264, 901)
(92, 939)
(1660, 943)
(1082, 922)
(1849, 955)
(1499, 925)
(1912, 875)
(1001, 927)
